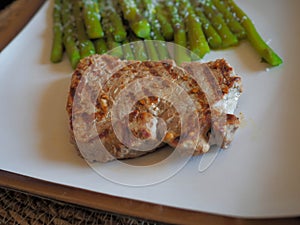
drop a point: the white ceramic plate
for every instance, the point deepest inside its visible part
(257, 177)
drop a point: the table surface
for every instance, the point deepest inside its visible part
(12, 19)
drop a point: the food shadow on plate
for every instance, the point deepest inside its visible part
(52, 123)
(249, 58)
(151, 158)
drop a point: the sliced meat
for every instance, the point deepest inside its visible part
(190, 107)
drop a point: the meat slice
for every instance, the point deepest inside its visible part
(124, 109)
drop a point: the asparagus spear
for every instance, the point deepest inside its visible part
(178, 25)
(149, 14)
(155, 32)
(179, 52)
(253, 36)
(162, 50)
(137, 22)
(100, 46)
(166, 27)
(114, 47)
(118, 29)
(213, 38)
(230, 20)
(100, 43)
(151, 50)
(138, 47)
(86, 46)
(57, 41)
(69, 30)
(216, 18)
(149, 46)
(197, 40)
(139, 51)
(92, 18)
(127, 51)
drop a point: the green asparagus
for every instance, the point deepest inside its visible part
(254, 37)
(138, 47)
(151, 15)
(213, 38)
(57, 38)
(230, 20)
(166, 27)
(200, 25)
(216, 18)
(100, 46)
(179, 52)
(197, 41)
(178, 25)
(151, 50)
(127, 51)
(118, 30)
(114, 47)
(139, 51)
(86, 46)
(162, 49)
(92, 18)
(69, 31)
(137, 22)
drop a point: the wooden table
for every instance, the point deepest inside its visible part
(12, 20)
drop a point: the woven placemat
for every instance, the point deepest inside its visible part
(25, 209)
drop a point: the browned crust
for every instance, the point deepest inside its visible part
(223, 72)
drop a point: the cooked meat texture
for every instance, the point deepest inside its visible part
(195, 101)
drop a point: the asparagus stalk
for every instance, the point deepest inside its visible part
(179, 52)
(86, 46)
(114, 47)
(162, 50)
(57, 39)
(138, 47)
(92, 18)
(216, 18)
(230, 20)
(127, 51)
(213, 38)
(155, 32)
(100, 46)
(149, 46)
(166, 27)
(139, 50)
(178, 25)
(137, 22)
(149, 13)
(68, 35)
(197, 41)
(118, 30)
(151, 50)
(254, 37)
